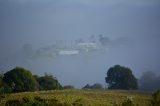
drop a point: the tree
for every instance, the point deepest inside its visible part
(1, 77)
(87, 87)
(94, 86)
(155, 98)
(120, 77)
(97, 86)
(47, 82)
(19, 80)
(149, 81)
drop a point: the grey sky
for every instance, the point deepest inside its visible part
(132, 26)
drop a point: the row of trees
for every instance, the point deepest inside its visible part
(22, 80)
(118, 77)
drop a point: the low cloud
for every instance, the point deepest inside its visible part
(119, 41)
(94, 43)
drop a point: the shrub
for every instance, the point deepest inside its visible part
(77, 102)
(47, 82)
(13, 103)
(128, 102)
(156, 98)
(25, 99)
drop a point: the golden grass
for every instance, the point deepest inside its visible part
(86, 97)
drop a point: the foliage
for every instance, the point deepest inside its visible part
(86, 86)
(37, 101)
(94, 86)
(80, 102)
(97, 86)
(5, 88)
(156, 98)
(22, 80)
(13, 103)
(19, 80)
(48, 82)
(128, 102)
(119, 77)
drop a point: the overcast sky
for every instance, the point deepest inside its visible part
(132, 27)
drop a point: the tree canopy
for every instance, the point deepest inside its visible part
(48, 82)
(120, 77)
(19, 80)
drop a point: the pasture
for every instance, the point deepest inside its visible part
(76, 98)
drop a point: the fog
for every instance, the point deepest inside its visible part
(78, 40)
(149, 81)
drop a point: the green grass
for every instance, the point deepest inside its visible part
(79, 97)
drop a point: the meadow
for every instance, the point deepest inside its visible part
(76, 98)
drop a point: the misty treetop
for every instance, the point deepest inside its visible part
(149, 81)
(120, 77)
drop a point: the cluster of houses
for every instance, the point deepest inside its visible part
(78, 47)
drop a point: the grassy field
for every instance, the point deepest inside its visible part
(75, 98)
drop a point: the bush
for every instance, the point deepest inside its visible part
(13, 103)
(80, 102)
(128, 102)
(47, 82)
(36, 101)
(156, 98)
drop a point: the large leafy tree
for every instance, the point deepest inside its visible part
(120, 77)
(48, 82)
(19, 80)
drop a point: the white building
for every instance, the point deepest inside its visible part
(68, 52)
(87, 46)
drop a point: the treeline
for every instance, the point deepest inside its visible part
(117, 77)
(22, 80)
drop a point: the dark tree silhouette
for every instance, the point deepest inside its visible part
(19, 80)
(94, 86)
(119, 77)
(86, 87)
(47, 82)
